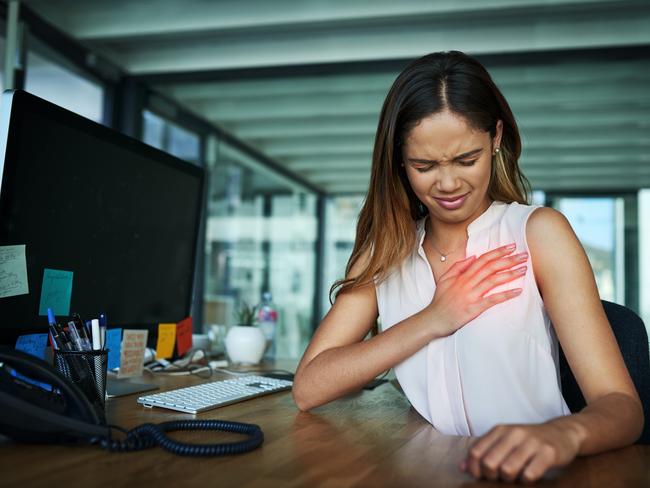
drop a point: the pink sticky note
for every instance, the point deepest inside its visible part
(184, 336)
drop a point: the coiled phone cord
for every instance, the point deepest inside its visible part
(149, 435)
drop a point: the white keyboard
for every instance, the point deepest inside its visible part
(195, 399)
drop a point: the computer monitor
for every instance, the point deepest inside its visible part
(122, 216)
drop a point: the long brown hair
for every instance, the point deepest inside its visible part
(439, 81)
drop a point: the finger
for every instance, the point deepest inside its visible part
(494, 266)
(495, 298)
(458, 267)
(498, 279)
(480, 447)
(542, 461)
(489, 257)
(514, 464)
(499, 451)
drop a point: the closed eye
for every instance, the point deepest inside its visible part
(468, 163)
(462, 163)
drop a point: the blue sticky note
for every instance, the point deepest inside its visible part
(114, 346)
(35, 345)
(56, 292)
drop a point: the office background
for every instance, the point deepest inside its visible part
(279, 101)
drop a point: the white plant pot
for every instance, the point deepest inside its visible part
(245, 344)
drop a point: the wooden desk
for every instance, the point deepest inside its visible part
(371, 439)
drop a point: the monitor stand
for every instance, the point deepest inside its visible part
(122, 387)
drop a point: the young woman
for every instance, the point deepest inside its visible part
(469, 324)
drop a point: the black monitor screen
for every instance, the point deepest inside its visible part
(123, 217)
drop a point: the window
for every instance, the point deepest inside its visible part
(644, 261)
(260, 236)
(167, 136)
(341, 214)
(2, 63)
(598, 223)
(153, 130)
(51, 79)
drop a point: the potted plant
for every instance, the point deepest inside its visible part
(245, 343)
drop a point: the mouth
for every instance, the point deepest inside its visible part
(451, 203)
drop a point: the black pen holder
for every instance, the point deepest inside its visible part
(86, 370)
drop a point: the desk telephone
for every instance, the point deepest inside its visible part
(29, 413)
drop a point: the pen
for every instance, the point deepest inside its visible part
(59, 342)
(51, 319)
(63, 338)
(75, 335)
(55, 338)
(77, 366)
(103, 322)
(97, 344)
(81, 330)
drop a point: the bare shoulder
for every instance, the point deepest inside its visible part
(360, 264)
(546, 223)
(553, 245)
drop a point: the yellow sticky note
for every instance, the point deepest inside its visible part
(166, 339)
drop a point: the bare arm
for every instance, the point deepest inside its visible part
(340, 369)
(338, 361)
(613, 416)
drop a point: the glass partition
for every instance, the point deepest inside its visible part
(341, 215)
(260, 236)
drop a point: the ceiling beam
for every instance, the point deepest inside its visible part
(369, 105)
(124, 19)
(563, 26)
(555, 76)
(535, 94)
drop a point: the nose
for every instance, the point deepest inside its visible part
(447, 182)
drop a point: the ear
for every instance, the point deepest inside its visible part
(497, 136)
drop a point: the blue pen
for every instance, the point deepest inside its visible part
(50, 317)
(59, 342)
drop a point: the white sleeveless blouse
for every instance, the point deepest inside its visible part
(502, 367)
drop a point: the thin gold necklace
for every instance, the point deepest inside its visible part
(443, 257)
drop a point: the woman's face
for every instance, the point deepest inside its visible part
(444, 157)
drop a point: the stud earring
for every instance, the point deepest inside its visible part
(496, 151)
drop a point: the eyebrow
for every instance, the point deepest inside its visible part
(460, 156)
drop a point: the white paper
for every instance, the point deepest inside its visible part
(134, 343)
